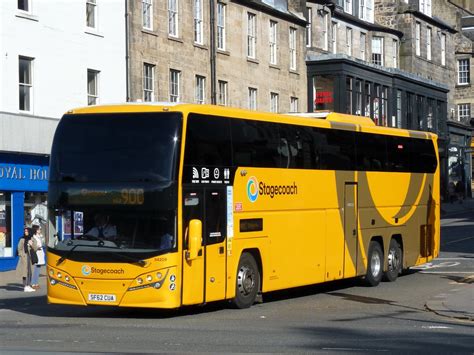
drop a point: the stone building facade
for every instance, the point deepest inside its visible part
(254, 60)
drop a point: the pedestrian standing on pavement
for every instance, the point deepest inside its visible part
(39, 246)
(27, 257)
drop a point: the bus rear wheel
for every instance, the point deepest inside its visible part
(247, 282)
(374, 264)
(394, 261)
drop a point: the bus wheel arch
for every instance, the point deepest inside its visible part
(375, 262)
(248, 283)
(394, 259)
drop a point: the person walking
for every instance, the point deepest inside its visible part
(27, 257)
(39, 247)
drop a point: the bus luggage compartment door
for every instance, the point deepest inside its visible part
(350, 229)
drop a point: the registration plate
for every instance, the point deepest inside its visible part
(99, 297)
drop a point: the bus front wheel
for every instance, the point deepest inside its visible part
(374, 264)
(248, 282)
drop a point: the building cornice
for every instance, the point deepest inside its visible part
(431, 20)
(261, 6)
(339, 14)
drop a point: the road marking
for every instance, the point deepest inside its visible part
(435, 327)
(436, 266)
(458, 240)
(446, 272)
(461, 258)
(355, 349)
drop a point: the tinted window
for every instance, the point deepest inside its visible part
(426, 161)
(296, 147)
(256, 144)
(371, 152)
(208, 141)
(116, 147)
(398, 152)
(337, 150)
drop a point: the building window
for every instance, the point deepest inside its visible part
(273, 42)
(366, 10)
(398, 123)
(428, 43)
(25, 77)
(348, 6)
(200, 91)
(358, 94)
(363, 45)
(221, 13)
(91, 13)
(251, 35)
(274, 101)
(309, 27)
(418, 38)
(430, 115)
(323, 92)
(293, 104)
(443, 49)
(384, 107)
(377, 50)
(24, 5)
(198, 22)
(334, 37)
(173, 18)
(463, 72)
(222, 93)
(349, 41)
(349, 82)
(147, 10)
(409, 110)
(148, 82)
(425, 7)
(367, 99)
(376, 103)
(464, 112)
(92, 87)
(175, 76)
(395, 53)
(252, 97)
(292, 48)
(326, 31)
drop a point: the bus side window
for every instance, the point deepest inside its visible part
(216, 223)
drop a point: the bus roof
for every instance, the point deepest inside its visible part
(331, 119)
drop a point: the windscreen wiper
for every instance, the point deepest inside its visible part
(100, 244)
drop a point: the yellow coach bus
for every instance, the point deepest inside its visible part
(162, 205)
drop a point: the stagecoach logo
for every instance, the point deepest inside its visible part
(252, 189)
(86, 270)
(255, 188)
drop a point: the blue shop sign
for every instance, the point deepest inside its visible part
(23, 177)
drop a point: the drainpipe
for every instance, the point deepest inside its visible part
(213, 52)
(127, 52)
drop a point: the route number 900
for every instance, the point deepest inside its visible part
(132, 196)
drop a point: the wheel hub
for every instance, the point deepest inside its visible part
(245, 280)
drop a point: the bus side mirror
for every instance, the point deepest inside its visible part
(195, 239)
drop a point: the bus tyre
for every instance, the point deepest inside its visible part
(394, 261)
(248, 282)
(374, 264)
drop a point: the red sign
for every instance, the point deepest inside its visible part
(324, 97)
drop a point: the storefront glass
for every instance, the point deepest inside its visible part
(6, 249)
(323, 91)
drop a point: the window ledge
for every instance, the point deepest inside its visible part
(200, 46)
(292, 71)
(93, 32)
(27, 16)
(274, 66)
(149, 32)
(252, 60)
(175, 39)
(461, 86)
(223, 52)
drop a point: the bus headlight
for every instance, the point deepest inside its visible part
(149, 278)
(139, 281)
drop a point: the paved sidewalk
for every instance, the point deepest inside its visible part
(448, 208)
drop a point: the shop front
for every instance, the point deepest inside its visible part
(23, 194)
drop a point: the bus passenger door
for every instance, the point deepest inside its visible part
(193, 270)
(350, 229)
(215, 240)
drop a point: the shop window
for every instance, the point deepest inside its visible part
(377, 103)
(358, 92)
(367, 99)
(6, 247)
(36, 211)
(385, 106)
(323, 89)
(348, 95)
